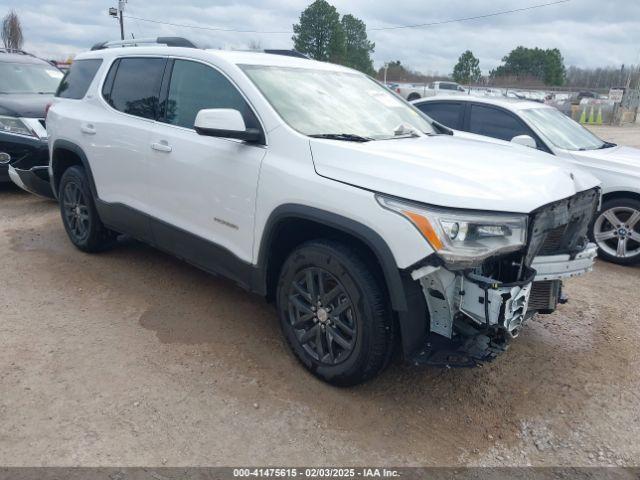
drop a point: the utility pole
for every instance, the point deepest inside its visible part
(119, 14)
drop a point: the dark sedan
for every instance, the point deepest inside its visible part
(27, 85)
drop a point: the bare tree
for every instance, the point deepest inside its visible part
(12, 31)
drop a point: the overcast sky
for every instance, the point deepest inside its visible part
(588, 32)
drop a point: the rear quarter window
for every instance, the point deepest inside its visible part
(77, 80)
(133, 85)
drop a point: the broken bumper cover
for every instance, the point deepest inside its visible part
(34, 180)
(472, 313)
(558, 267)
(474, 317)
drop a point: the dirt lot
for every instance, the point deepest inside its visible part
(133, 358)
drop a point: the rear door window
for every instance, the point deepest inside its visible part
(496, 123)
(194, 87)
(135, 86)
(77, 80)
(447, 113)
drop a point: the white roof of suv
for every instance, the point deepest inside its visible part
(229, 56)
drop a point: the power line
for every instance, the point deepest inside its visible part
(464, 19)
(216, 29)
(376, 29)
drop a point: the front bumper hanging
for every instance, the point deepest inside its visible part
(474, 317)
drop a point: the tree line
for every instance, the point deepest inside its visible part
(604, 78)
(525, 67)
(324, 35)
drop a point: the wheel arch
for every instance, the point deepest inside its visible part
(65, 154)
(619, 194)
(291, 224)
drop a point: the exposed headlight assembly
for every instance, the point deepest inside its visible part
(463, 238)
(15, 125)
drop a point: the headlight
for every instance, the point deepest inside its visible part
(15, 125)
(463, 238)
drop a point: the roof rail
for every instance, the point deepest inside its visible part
(137, 42)
(287, 53)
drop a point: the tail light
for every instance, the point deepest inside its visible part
(46, 109)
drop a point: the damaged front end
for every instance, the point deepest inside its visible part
(475, 311)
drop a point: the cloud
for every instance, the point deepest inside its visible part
(589, 33)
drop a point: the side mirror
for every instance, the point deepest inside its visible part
(524, 140)
(225, 123)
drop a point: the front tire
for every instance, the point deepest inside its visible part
(616, 231)
(334, 313)
(79, 215)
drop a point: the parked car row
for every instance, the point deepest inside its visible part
(371, 227)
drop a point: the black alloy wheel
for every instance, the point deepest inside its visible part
(334, 312)
(79, 215)
(322, 315)
(76, 212)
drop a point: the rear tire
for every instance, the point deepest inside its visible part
(413, 96)
(334, 313)
(79, 215)
(616, 231)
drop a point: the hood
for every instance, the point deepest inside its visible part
(621, 159)
(450, 172)
(26, 105)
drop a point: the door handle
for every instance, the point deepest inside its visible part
(161, 146)
(88, 128)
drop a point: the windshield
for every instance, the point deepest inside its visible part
(28, 78)
(322, 103)
(561, 130)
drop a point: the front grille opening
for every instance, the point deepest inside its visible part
(554, 241)
(562, 227)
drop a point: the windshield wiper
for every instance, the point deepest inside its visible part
(604, 145)
(347, 137)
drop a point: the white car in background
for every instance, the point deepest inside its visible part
(616, 228)
(415, 91)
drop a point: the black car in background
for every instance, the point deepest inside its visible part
(27, 85)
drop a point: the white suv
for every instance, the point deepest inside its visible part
(317, 187)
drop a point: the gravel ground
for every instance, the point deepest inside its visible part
(134, 358)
